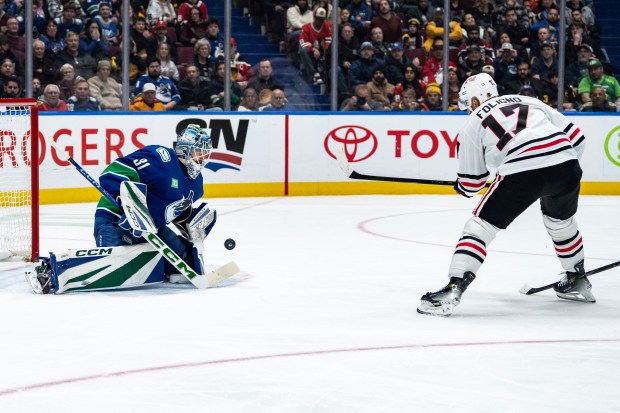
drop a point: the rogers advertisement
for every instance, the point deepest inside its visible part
(256, 151)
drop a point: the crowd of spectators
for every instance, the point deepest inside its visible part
(390, 53)
(392, 46)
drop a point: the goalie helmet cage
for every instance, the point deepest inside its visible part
(19, 179)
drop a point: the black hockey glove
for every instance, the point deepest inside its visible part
(457, 188)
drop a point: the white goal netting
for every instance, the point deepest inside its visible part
(18, 235)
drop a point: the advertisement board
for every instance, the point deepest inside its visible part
(258, 154)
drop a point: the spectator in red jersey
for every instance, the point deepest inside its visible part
(185, 9)
(314, 40)
(50, 100)
(433, 70)
(296, 16)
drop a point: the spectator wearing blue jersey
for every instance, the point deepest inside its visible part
(93, 42)
(551, 20)
(54, 43)
(67, 22)
(216, 41)
(82, 101)
(167, 92)
(107, 23)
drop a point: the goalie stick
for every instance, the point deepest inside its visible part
(140, 216)
(527, 290)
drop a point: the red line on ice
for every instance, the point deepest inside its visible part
(30, 387)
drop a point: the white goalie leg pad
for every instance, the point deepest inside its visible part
(567, 240)
(106, 268)
(471, 250)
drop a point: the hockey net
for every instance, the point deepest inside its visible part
(19, 179)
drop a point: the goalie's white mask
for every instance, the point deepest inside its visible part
(480, 86)
(193, 148)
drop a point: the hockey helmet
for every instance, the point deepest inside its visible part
(193, 148)
(480, 86)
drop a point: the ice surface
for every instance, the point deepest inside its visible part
(323, 319)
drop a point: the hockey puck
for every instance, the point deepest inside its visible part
(230, 244)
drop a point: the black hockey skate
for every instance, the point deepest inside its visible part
(442, 302)
(575, 286)
(40, 280)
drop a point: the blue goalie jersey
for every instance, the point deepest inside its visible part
(170, 191)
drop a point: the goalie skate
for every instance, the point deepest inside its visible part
(442, 302)
(575, 286)
(40, 279)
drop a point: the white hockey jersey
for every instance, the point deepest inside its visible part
(511, 134)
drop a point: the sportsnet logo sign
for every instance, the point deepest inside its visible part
(228, 142)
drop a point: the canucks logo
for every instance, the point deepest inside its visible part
(177, 208)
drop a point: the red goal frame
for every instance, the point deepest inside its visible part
(34, 166)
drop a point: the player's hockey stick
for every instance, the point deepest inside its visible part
(139, 216)
(341, 157)
(527, 290)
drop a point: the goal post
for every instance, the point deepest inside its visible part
(19, 179)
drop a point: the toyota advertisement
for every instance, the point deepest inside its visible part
(259, 154)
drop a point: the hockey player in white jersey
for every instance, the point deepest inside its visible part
(534, 151)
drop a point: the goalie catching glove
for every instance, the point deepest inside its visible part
(201, 222)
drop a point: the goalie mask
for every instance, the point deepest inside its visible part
(480, 86)
(193, 148)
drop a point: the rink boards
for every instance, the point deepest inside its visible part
(258, 154)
